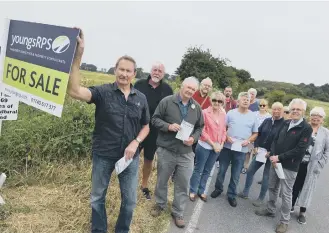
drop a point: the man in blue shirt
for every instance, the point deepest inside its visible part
(121, 124)
(242, 129)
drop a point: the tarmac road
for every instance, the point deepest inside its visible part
(217, 215)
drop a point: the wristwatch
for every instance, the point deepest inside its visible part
(138, 140)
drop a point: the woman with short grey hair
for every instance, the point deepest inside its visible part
(315, 158)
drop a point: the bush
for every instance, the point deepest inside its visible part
(37, 136)
(275, 96)
(288, 98)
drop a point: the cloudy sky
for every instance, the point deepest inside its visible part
(280, 41)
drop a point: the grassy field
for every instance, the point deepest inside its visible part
(317, 103)
(53, 196)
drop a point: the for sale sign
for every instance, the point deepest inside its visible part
(36, 63)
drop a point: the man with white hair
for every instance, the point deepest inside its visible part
(288, 149)
(202, 96)
(242, 129)
(254, 103)
(174, 116)
(155, 89)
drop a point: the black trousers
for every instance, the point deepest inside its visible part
(299, 183)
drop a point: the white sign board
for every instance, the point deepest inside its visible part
(8, 107)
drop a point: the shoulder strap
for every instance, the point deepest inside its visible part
(204, 101)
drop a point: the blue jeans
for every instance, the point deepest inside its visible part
(101, 174)
(253, 168)
(204, 162)
(237, 158)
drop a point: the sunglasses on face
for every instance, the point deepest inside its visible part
(286, 112)
(218, 101)
(262, 105)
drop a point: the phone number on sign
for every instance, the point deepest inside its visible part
(43, 104)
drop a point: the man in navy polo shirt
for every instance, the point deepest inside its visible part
(155, 89)
(121, 124)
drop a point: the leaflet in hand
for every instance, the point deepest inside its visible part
(261, 155)
(185, 131)
(122, 164)
(236, 145)
(279, 171)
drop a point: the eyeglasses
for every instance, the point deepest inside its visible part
(315, 115)
(218, 101)
(262, 105)
(286, 112)
(296, 109)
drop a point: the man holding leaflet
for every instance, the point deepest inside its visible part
(174, 143)
(288, 149)
(121, 124)
(242, 128)
(266, 133)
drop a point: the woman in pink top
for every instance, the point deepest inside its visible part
(209, 145)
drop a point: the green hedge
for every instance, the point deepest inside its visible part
(37, 136)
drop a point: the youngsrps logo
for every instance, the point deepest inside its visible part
(59, 45)
(30, 42)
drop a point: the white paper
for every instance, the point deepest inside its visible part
(121, 165)
(185, 131)
(279, 171)
(261, 153)
(236, 145)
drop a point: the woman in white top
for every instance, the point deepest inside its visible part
(263, 113)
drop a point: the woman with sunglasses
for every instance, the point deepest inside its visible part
(316, 157)
(261, 115)
(209, 145)
(286, 113)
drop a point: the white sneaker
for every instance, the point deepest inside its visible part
(217, 164)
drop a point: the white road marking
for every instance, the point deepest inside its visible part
(198, 207)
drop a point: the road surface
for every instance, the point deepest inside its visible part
(217, 215)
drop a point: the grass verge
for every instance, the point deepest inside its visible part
(55, 198)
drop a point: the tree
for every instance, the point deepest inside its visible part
(139, 73)
(166, 76)
(111, 70)
(288, 98)
(244, 76)
(89, 67)
(146, 75)
(201, 64)
(275, 96)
